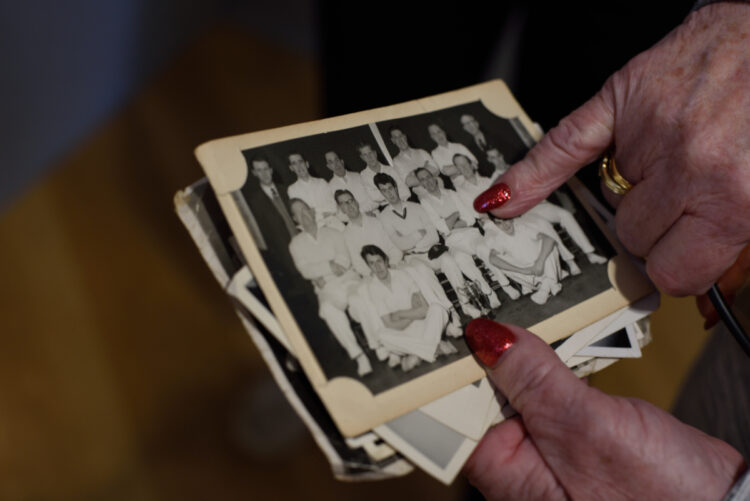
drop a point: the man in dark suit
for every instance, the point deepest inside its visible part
(478, 143)
(269, 206)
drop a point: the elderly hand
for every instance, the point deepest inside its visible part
(574, 442)
(679, 116)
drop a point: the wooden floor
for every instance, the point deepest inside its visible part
(122, 364)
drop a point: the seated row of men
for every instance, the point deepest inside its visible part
(391, 305)
(418, 239)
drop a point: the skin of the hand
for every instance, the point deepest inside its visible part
(571, 441)
(679, 117)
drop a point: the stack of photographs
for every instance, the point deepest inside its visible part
(354, 259)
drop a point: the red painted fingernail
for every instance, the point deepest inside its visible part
(492, 198)
(488, 340)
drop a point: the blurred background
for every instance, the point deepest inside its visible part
(124, 372)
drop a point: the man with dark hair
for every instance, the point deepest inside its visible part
(528, 256)
(362, 230)
(314, 191)
(264, 173)
(497, 160)
(408, 158)
(369, 156)
(273, 226)
(321, 256)
(480, 145)
(471, 126)
(445, 150)
(455, 222)
(411, 328)
(413, 232)
(469, 185)
(344, 179)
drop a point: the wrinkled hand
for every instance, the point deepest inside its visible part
(575, 442)
(679, 116)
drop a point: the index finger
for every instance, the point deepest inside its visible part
(576, 141)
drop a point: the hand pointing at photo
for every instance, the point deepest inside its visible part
(679, 118)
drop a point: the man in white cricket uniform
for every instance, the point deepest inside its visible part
(362, 230)
(409, 159)
(529, 256)
(445, 150)
(321, 256)
(411, 327)
(373, 166)
(343, 179)
(455, 222)
(412, 230)
(555, 214)
(469, 185)
(467, 182)
(314, 191)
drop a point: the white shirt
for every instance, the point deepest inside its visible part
(403, 227)
(468, 191)
(316, 193)
(522, 248)
(407, 161)
(312, 255)
(352, 181)
(439, 209)
(393, 297)
(368, 180)
(443, 155)
(370, 231)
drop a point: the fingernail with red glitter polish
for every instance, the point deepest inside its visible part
(488, 340)
(492, 198)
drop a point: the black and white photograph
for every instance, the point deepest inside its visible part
(361, 232)
(371, 238)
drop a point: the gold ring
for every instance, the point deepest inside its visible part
(612, 179)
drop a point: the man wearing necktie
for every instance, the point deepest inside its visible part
(269, 208)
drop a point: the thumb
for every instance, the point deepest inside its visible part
(529, 373)
(576, 141)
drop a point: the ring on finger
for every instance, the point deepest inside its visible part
(611, 177)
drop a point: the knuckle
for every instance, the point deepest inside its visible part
(568, 138)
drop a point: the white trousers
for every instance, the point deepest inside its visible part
(550, 275)
(333, 299)
(554, 214)
(420, 338)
